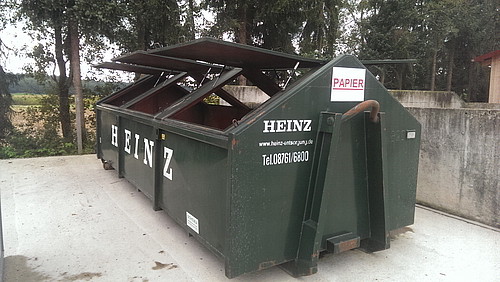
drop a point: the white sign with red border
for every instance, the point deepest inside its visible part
(348, 84)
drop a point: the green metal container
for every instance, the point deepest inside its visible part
(274, 185)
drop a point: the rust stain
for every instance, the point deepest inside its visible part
(267, 264)
(234, 142)
(251, 121)
(256, 117)
(312, 270)
(361, 107)
(261, 113)
(348, 245)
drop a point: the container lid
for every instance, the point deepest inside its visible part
(236, 55)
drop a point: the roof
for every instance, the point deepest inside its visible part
(486, 56)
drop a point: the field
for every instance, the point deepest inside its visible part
(25, 99)
(21, 102)
(37, 129)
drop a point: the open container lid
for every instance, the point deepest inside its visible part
(211, 64)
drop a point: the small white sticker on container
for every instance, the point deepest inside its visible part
(410, 134)
(192, 222)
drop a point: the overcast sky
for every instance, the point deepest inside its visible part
(20, 42)
(14, 38)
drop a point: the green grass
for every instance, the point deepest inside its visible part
(25, 99)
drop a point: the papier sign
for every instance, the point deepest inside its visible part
(348, 84)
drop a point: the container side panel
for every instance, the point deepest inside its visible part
(271, 173)
(348, 208)
(271, 164)
(109, 137)
(194, 187)
(138, 151)
(401, 143)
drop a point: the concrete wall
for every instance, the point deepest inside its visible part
(459, 170)
(428, 99)
(250, 95)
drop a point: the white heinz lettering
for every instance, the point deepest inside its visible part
(268, 126)
(148, 152)
(114, 135)
(297, 125)
(128, 135)
(167, 155)
(307, 124)
(149, 147)
(136, 148)
(280, 126)
(287, 125)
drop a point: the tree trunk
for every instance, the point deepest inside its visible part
(450, 71)
(190, 20)
(472, 95)
(242, 33)
(62, 85)
(77, 83)
(433, 72)
(142, 43)
(399, 69)
(5, 105)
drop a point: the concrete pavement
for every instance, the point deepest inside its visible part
(67, 219)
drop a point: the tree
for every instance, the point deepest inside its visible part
(277, 25)
(5, 80)
(77, 81)
(478, 25)
(441, 21)
(321, 27)
(63, 22)
(151, 24)
(389, 33)
(442, 35)
(48, 18)
(5, 103)
(271, 24)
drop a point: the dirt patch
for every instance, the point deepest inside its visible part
(19, 121)
(160, 265)
(19, 268)
(86, 276)
(400, 231)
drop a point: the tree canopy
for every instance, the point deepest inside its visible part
(444, 36)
